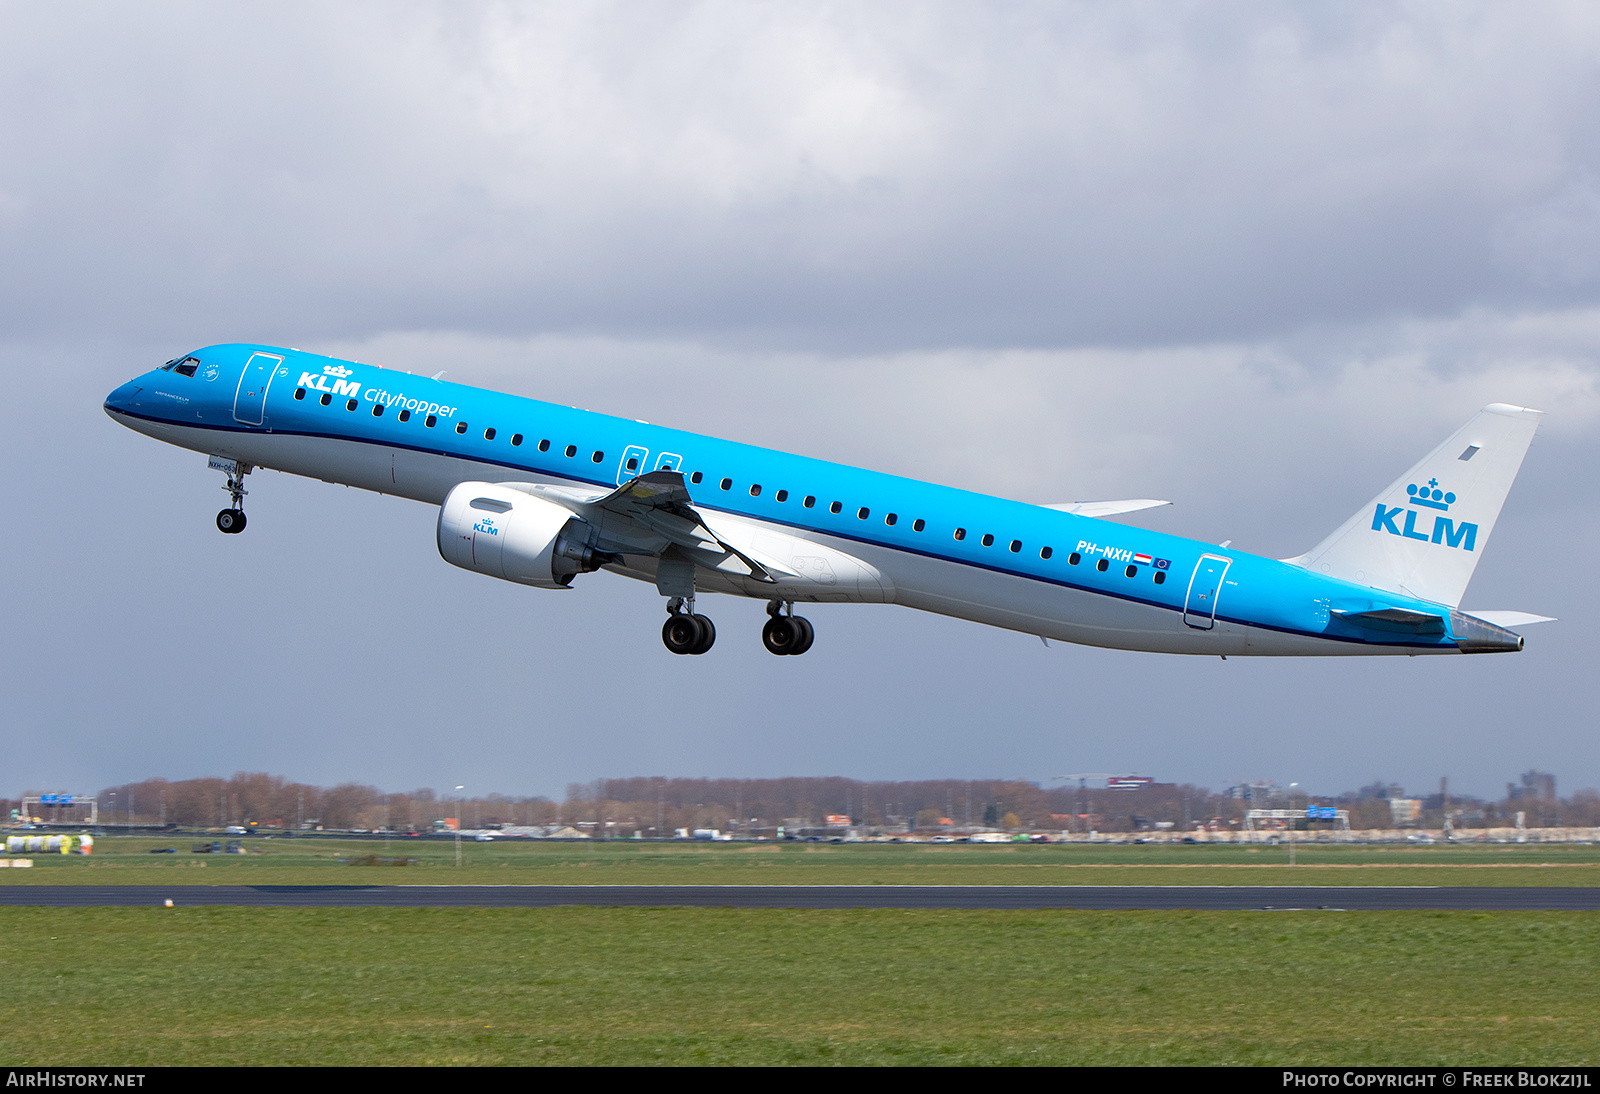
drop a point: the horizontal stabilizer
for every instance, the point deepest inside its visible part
(1106, 508)
(1511, 619)
(1390, 619)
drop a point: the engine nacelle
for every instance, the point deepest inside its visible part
(505, 533)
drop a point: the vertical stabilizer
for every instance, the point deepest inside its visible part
(1423, 535)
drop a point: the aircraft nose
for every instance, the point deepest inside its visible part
(122, 397)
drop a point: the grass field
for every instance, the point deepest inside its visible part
(693, 986)
(310, 862)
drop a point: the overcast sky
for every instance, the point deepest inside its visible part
(1256, 258)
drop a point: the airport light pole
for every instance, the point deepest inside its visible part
(459, 789)
(1291, 823)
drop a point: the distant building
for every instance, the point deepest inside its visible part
(1255, 792)
(1377, 790)
(1405, 810)
(1536, 786)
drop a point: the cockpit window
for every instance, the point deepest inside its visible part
(183, 366)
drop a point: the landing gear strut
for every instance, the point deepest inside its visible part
(786, 634)
(231, 520)
(685, 632)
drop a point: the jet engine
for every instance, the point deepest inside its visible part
(506, 533)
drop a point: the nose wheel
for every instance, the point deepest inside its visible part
(687, 633)
(786, 635)
(231, 520)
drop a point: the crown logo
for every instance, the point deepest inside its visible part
(336, 370)
(1430, 495)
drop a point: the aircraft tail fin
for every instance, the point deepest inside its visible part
(1423, 535)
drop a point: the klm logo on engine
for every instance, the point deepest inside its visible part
(337, 373)
(484, 526)
(1445, 531)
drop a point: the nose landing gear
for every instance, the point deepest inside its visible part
(786, 634)
(231, 520)
(684, 632)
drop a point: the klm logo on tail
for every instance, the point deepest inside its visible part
(1445, 531)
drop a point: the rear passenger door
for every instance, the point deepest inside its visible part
(1200, 606)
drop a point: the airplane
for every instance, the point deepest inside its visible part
(540, 494)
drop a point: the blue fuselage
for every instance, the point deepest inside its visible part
(963, 554)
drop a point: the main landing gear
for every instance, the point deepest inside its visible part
(231, 520)
(786, 634)
(685, 632)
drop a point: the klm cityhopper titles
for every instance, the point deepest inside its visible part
(540, 494)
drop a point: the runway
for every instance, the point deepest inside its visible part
(968, 897)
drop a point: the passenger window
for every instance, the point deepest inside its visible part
(863, 513)
(351, 404)
(633, 463)
(1016, 545)
(1161, 577)
(1132, 571)
(918, 525)
(988, 540)
(572, 450)
(488, 434)
(299, 393)
(599, 456)
(890, 519)
(961, 533)
(326, 398)
(461, 427)
(405, 415)
(809, 502)
(755, 490)
(377, 410)
(516, 440)
(835, 507)
(1045, 552)
(544, 446)
(430, 421)
(1102, 565)
(695, 477)
(782, 495)
(1074, 558)
(726, 483)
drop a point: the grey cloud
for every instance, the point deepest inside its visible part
(827, 177)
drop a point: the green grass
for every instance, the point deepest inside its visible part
(126, 860)
(135, 987)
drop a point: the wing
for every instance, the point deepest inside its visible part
(653, 515)
(1106, 508)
